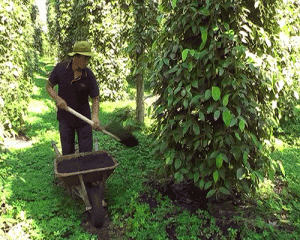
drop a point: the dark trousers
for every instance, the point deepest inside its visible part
(67, 138)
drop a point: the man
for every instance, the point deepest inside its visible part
(76, 83)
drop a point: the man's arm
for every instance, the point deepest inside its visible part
(52, 93)
(95, 112)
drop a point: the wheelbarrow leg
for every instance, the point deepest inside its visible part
(83, 193)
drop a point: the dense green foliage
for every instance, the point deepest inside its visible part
(285, 67)
(19, 46)
(216, 75)
(99, 23)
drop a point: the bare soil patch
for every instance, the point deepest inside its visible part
(18, 141)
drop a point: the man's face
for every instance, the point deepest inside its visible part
(82, 61)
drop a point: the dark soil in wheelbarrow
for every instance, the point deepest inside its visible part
(83, 163)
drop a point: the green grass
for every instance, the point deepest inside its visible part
(29, 196)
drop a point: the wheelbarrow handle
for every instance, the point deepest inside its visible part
(58, 154)
(89, 121)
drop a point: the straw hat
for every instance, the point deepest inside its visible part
(82, 48)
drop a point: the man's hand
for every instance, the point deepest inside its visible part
(96, 125)
(62, 104)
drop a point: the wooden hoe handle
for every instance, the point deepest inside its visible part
(89, 121)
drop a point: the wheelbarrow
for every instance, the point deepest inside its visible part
(84, 174)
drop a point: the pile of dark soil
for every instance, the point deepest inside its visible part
(184, 194)
(83, 163)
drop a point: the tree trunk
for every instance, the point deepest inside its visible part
(140, 111)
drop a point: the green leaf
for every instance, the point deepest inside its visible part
(226, 25)
(236, 151)
(177, 163)
(190, 66)
(254, 139)
(239, 173)
(260, 175)
(195, 83)
(216, 93)
(224, 190)
(217, 115)
(245, 186)
(281, 168)
(233, 122)
(225, 159)
(172, 70)
(222, 172)
(208, 185)
(203, 36)
(227, 117)
(210, 193)
(228, 184)
(207, 94)
(253, 176)
(216, 175)
(219, 160)
(200, 55)
(196, 176)
(196, 145)
(184, 54)
(174, 3)
(245, 156)
(170, 100)
(201, 184)
(184, 170)
(214, 154)
(195, 99)
(225, 100)
(210, 108)
(169, 160)
(178, 176)
(204, 11)
(220, 70)
(237, 135)
(201, 116)
(166, 61)
(242, 125)
(185, 128)
(196, 128)
(185, 103)
(177, 89)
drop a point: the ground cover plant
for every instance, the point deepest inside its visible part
(142, 202)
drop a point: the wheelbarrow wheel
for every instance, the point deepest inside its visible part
(95, 194)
